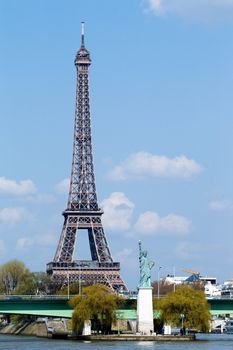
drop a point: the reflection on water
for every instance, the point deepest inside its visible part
(206, 342)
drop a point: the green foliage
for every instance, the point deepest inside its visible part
(98, 304)
(73, 289)
(15, 278)
(44, 283)
(16, 319)
(26, 284)
(188, 302)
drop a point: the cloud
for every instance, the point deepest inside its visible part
(44, 240)
(127, 258)
(117, 211)
(63, 186)
(187, 251)
(200, 10)
(40, 198)
(13, 215)
(150, 223)
(24, 242)
(124, 254)
(23, 187)
(222, 205)
(183, 251)
(143, 164)
(48, 239)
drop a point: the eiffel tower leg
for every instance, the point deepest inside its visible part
(98, 242)
(66, 244)
(92, 244)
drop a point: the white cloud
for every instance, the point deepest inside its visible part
(44, 240)
(183, 251)
(40, 198)
(143, 164)
(63, 186)
(48, 239)
(127, 259)
(188, 251)
(124, 254)
(201, 10)
(221, 205)
(13, 215)
(24, 242)
(150, 223)
(23, 187)
(117, 211)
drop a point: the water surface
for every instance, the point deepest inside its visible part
(206, 342)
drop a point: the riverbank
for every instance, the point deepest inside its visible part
(22, 328)
(41, 329)
(134, 337)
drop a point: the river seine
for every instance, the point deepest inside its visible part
(206, 342)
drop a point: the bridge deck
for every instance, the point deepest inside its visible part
(59, 307)
(51, 307)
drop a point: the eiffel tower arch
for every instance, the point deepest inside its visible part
(83, 211)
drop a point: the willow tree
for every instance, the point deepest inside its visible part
(98, 304)
(185, 307)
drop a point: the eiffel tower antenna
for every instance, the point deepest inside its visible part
(82, 210)
(82, 33)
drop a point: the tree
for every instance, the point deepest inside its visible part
(98, 304)
(185, 306)
(164, 287)
(73, 289)
(16, 278)
(26, 285)
(44, 284)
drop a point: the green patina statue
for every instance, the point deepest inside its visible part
(145, 266)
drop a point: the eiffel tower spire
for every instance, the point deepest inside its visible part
(82, 194)
(82, 210)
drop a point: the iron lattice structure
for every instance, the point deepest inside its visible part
(82, 210)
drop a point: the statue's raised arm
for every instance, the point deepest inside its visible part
(145, 266)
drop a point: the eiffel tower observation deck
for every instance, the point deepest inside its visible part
(83, 211)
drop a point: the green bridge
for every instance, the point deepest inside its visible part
(38, 306)
(59, 307)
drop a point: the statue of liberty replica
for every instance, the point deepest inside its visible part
(145, 324)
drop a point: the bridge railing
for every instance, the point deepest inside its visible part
(34, 297)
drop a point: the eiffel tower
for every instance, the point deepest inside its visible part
(83, 211)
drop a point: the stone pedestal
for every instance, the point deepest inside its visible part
(145, 323)
(87, 328)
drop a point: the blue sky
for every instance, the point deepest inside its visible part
(161, 101)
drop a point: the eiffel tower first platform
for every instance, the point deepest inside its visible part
(83, 211)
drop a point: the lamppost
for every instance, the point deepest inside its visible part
(79, 281)
(159, 279)
(174, 283)
(118, 317)
(68, 285)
